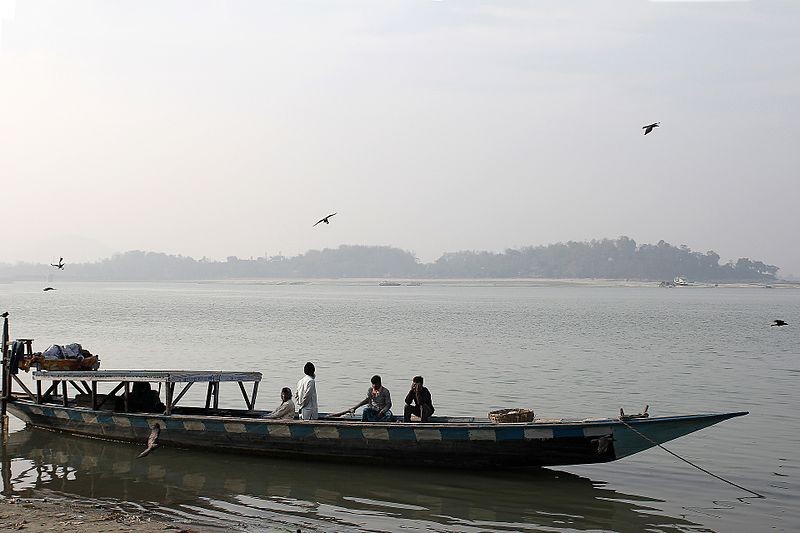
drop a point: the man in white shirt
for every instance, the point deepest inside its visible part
(306, 395)
(286, 408)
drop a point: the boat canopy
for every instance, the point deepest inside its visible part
(152, 376)
(85, 382)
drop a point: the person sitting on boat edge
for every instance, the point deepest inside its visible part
(378, 402)
(286, 409)
(306, 394)
(420, 396)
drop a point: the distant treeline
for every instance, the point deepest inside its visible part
(618, 258)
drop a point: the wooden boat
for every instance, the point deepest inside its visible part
(442, 442)
(42, 363)
(86, 361)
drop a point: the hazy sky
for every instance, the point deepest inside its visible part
(228, 128)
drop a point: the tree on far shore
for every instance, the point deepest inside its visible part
(618, 258)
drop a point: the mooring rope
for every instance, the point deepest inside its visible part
(645, 437)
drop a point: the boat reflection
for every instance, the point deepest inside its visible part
(229, 490)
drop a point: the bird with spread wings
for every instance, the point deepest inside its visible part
(647, 129)
(324, 219)
(60, 264)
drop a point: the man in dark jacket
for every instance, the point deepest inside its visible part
(421, 398)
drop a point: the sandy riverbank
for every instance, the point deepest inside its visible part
(56, 513)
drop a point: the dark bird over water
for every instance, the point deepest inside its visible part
(48, 289)
(5, 314)
(779, 323)
(647, 129)
(325, 220)
(151, 441)
(60, 264)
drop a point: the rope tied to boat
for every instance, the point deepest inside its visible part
(645, 437)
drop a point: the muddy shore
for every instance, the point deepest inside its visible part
(56, 513)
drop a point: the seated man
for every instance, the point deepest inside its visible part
(421, 397)
(378, 402)
(143, 399)
(286, 409)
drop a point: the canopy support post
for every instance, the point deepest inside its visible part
(21, 384)
(183, 391)
(170, 404)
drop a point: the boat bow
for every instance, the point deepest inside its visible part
(634, 436)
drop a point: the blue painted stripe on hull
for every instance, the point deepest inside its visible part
(402, 434)
(566, 432)
(139, 422)
(174, 425)
(350, 433)
(515, 433)
(301, 432)
(455, 434)
(256, 429)
(213, 425)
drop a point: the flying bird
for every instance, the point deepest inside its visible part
(60, 264)
(325, 220)
(647, 129)
(151, 441)
(779, 323)
(48, 289)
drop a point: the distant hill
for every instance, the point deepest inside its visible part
(618, 258)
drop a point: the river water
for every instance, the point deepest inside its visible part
(564, 350)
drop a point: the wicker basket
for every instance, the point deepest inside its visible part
(509, 416)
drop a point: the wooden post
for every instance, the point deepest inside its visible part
(24, 387)
(127, 394)
(5, 462)
(216, 395)
(170, 391)
(94, 396)
(64, 392)
(253, 397)
(5, 383)
(186, 388)
(38, 391)
(244, 395)
(52, 389)
(208, 394)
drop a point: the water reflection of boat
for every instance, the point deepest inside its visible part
(205, 485)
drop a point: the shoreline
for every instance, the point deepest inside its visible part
(435, 282)
(42, 510)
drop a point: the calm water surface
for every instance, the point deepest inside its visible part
(562, 350)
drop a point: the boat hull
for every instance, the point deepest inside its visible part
(446, 444)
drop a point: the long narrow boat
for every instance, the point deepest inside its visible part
(444, 441)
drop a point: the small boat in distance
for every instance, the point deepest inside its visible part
(386, 283)
(680, 281)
